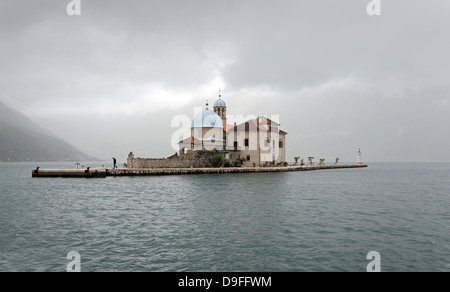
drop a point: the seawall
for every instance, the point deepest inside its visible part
(184, 171)
(104, 172)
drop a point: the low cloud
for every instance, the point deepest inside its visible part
(124, 69)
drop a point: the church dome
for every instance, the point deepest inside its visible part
(219, 102)
(207, 119)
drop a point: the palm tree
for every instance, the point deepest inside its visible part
(296, 159)
(322, 162)
(310, 160)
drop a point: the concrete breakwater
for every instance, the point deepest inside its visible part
(70, 173)
(104, 172)
(181, 171)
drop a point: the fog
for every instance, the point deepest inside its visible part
(111, 80)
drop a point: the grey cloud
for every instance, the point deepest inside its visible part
(387, 76)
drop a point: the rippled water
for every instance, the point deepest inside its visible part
(304, 221)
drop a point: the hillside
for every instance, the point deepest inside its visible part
(22, 140)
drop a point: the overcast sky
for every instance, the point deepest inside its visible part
(111, 80)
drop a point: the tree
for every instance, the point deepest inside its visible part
(296, 159)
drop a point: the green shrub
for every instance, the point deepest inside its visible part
(217, 160)
(228, 164)
(239, 162)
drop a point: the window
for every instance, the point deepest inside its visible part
(248, 157)
(246, 142)
(281, 144)
(235, 145)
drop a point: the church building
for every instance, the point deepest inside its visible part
(256, 141)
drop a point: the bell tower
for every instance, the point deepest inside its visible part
(220, 108)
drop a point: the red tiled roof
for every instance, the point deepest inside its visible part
(190, 140)
(227, 127)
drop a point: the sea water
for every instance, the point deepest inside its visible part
(326, 220)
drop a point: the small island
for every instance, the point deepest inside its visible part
(254, 146)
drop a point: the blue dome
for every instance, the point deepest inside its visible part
(207, 119)
(219, 102)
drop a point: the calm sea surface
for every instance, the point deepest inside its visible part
(305, 221)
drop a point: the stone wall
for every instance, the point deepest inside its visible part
(192, 159)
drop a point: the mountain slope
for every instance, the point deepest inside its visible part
(22, 140)
(17, 120)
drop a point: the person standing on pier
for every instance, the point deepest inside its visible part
(115, 163)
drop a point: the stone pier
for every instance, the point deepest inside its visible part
(105, 172)
(183, 171)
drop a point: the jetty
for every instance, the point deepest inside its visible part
(110, 172)
(70, 173)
